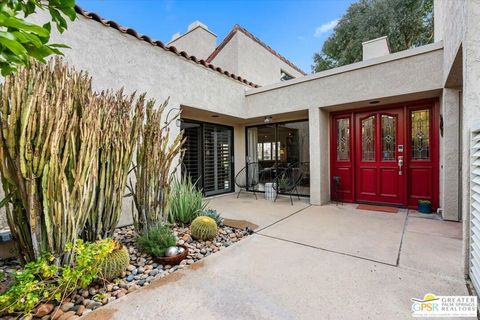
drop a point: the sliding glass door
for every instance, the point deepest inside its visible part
(208, 156)
(276, 147)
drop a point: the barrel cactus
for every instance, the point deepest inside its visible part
(115, 262)
(214, 215)
(203, 228)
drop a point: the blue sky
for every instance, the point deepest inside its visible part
(295, 29)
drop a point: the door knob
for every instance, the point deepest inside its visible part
(400, 165)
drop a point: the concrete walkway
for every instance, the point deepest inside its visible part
(323, 262)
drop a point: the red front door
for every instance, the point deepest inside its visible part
(386, 155)
(379, 154)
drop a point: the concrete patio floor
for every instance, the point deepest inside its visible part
(313, 262)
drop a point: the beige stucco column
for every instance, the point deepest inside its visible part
(319, 156)
(450, 155)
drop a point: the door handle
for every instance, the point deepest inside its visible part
(400, 165)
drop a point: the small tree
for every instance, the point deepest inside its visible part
(407, 23)
(21, 40)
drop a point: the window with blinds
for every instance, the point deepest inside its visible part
(208, 156)
(217, 159)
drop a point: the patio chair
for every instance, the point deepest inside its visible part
(247, 178)
(288, 180)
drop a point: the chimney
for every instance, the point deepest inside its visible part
(197, 41)
(375, 48)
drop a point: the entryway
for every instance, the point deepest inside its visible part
(386, 155)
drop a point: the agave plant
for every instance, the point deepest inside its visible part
(186, 201)
(154, 168)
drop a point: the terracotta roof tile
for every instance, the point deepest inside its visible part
(183, 54)
(237, 28)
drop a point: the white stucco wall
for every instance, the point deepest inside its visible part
(449, 27)
(252, 61)
(227, 58)
(407, 72)
(198, 42)
(456, 24)
(471, 94)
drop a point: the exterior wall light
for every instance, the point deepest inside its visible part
(178, 122)
(267, 119)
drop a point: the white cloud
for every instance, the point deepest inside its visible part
(325, 27)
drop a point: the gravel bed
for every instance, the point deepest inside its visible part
(141, 272)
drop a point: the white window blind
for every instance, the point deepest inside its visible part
(475, 210)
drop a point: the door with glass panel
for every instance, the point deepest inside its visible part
(208, 158)
(277, 148)
(380, 157)
(218, 156)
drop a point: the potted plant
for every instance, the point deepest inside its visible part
(160, 242)
(425, 206)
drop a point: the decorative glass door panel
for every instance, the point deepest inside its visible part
(421, 163)
(380, 150)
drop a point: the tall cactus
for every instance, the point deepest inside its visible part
(154, 170)
(65, 153)
(48, 147)
(121, 121)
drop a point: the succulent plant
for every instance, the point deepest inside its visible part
(212, 213)
(157, 240)
(115, 262)
(203, 228)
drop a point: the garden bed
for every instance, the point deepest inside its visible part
(141, 272)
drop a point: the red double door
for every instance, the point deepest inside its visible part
(386, 156)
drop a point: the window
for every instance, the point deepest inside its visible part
(420, 135)
(284, 76)
(267, 150)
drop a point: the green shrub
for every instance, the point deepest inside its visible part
(203, 228)
(186, 201)
(42, 281)
(115, 262)
(214, 215)
(156, 240)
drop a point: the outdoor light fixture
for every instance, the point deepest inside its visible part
(178, 122)
(267, 119)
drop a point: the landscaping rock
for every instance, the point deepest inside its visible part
(66, 306)
(43, 310)
(67, 315)
(80, 310)
(57, 313)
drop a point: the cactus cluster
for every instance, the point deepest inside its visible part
(203, 228)
(154, 169)
(65, 153)
(115, 262)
